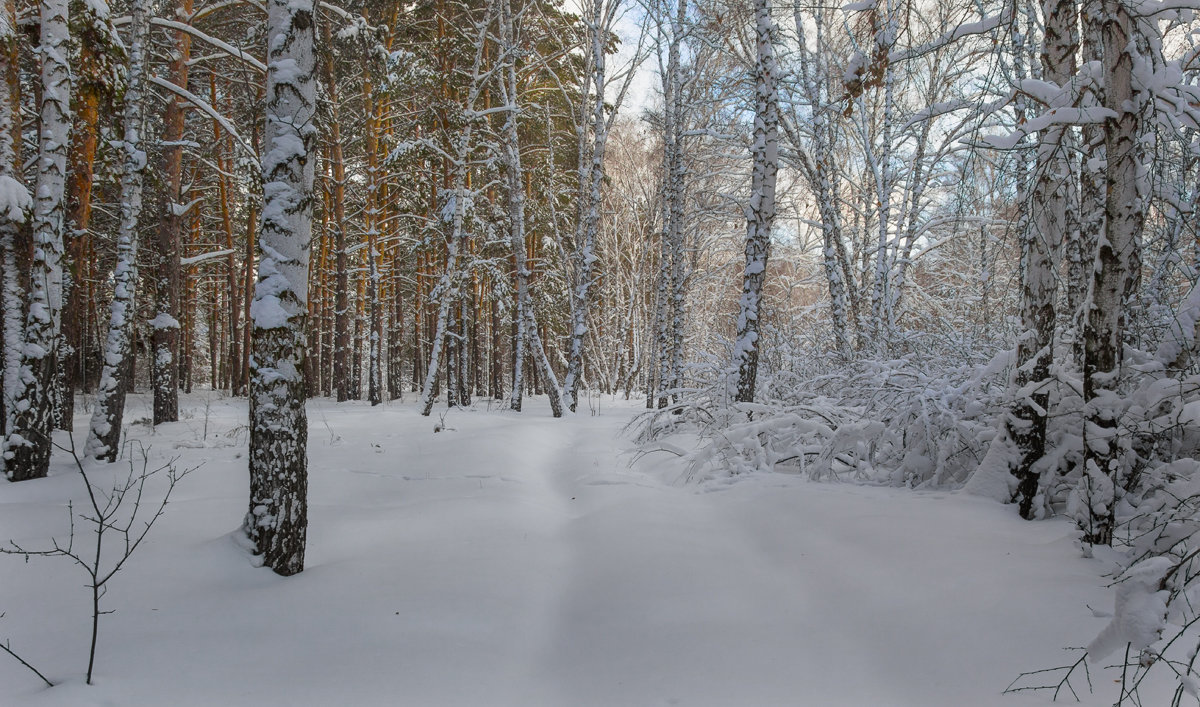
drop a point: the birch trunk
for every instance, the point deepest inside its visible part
(524, 320)
(881, 168)
(104, 436)
(1117, 261)
(28, 444)
(670, 287)
(14, 209)
(447, 290)
(590, 185)
(760, 214)
(1081, 253)
(277, 520)
(1041, 243)
(371, 217)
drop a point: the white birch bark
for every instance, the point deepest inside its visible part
(447, 288)
(822, 174)
(671, 277)
(1041, 246)
(527, 337)
(104, 435)
(1117, 262)
(276, 523)
(1081, 253)
(27, 445)
(881, 168)
(15, 204)
(760, 213)
(591, 181)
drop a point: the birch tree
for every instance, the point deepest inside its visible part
(1125, 69)
(820, 168)
(455, 212)
(527, 339)
(601, 17)
(28, 444)
(1041, 245)
(760, 213)
(15, 204)
(104, 436)
(669, 312)
(276, 523)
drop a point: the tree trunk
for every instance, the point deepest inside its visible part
(1041, 242)
(1081, 252)
(1117, 262)
(80, 168)
(371, 218)
(28, 444)
(165, 324)
(276, 523)
(104, 436)
(591, 182)
(13, 246)
(760, 214)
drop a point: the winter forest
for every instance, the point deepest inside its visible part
(600, 352)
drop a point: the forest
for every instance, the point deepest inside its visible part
(910, 247)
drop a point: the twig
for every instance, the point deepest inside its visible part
(1057, 687)
(8, 649)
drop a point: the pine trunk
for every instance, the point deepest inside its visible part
(165, 325)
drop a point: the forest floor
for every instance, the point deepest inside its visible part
(514, 559)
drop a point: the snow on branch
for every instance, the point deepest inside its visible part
(225, 47)
(212, 112)
(229, 49)
(212, 255)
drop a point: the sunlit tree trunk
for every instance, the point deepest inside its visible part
(96, 43)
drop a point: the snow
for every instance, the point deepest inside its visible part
(516, 559)
(15, 201)
(1140, 610)
(163, 320)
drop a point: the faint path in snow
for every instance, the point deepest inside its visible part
(518, 560)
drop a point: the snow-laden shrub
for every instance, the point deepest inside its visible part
(922, 421)
(900, 422)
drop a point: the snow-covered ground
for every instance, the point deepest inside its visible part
(514, 559)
